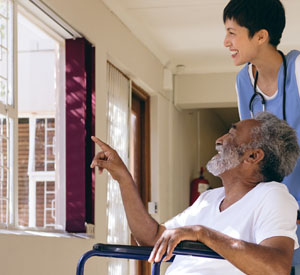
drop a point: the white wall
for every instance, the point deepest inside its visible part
(38, 255)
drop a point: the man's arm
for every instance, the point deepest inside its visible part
(144, 228)
(271, 256)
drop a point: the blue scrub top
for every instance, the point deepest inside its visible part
(274, 105)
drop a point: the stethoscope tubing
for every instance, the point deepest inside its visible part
(263, 100)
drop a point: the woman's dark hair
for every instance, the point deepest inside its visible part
(256, 15)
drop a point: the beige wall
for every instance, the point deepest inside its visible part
(174, 156)
(208, 92)
(211, 127)
(183, 159)
(215, 90)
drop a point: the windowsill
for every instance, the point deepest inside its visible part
(54, 234)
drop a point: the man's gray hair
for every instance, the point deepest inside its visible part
(280, 145)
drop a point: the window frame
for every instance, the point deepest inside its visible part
(9, 109)
(40, 13)
(11, 112)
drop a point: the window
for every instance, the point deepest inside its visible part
(7, 113)
(129, 135)
(118, 86)
(4, 171)
(38, 69)
(36, 207)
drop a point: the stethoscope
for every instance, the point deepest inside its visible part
(263, 101)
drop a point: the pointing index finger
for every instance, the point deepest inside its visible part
(102, 145)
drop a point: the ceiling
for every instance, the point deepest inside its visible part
(191, 32)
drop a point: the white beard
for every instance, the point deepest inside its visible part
(227, 158)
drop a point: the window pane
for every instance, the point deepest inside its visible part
(45, 204)
(37, 72)
(50, 166)
(6, 50)
(50, 203)
(6, 98)
(40, 145)
(3, 171)
(3, 8)
(3, 89)
(3, 210)
(40, 204)
(23, 155)
(50, 123)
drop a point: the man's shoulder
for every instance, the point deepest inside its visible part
(272, 185)
(272, 190)
(274, 197)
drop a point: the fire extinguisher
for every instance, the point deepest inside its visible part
(198, 186)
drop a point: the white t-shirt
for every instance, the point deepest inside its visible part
(266, 211)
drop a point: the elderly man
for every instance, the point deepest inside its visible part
(251, 221)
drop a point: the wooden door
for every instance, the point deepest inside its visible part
(140, 155)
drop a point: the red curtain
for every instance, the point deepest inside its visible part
(80, 125)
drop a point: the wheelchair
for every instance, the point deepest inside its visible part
(185, 248)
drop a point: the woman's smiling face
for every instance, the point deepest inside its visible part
(241, 46)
